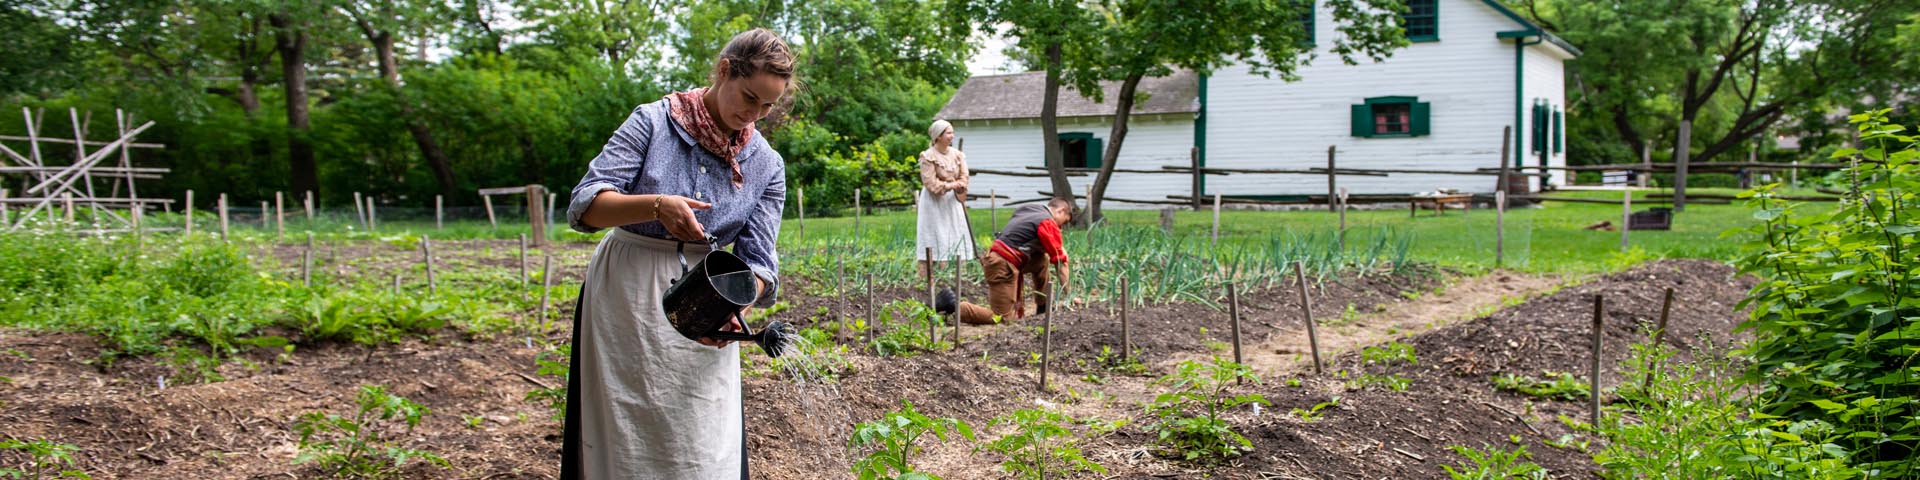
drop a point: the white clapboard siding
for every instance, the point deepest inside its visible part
(1016, 144)
(1545, 79)
(1467, 77)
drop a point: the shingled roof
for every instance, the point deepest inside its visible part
(1017, 96)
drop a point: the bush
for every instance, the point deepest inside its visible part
(1836, 317)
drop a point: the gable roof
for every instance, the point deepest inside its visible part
(1018, 95)
(1531, 28)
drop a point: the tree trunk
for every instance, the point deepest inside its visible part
(1680, 165)
(422, 136)
(1050, 127)
(290, 41)
(1122, 113)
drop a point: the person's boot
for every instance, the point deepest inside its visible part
(946, 302)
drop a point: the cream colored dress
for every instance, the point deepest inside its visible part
(943, 219)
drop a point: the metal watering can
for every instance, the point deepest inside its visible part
(706, 297)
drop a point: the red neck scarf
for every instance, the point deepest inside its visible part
(690, 111)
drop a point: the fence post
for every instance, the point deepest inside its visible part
(189, 211)
(438, 215)
(1216, 220)
(279, 215)
(1193, 158)
(1499, 228)
(1306, 314)
(223, 217)
(265, 222)
(1343, 219)
(426, 255)
(856, 215)
(487, 200)
(359, 210)
(1330, 178)
(309, 205)
(802, 196)
(536, 215)
(523, 266)
(1626, 217)
(373, 219)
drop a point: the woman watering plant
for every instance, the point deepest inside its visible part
(943, 214)
(685, 172)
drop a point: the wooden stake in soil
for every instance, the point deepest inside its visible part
(1499, 228)
(546, 285)
(491, 222)
(933, 330)
(993, 211)
(1233, 313)
(840, 281)
(306, 267)
(1593, 373)
(189, 211)
(1343, 219)
(279, 215)
(396, 284)
(523, 266)
(1216, 220)
(956, 303)
(1626, 217)
(438, 213)
(359, 210)
(1126, 341)
(426, 255)
(1659, 336)
(309, 205)
(856, 214)
(1306, 315)
(537, 213)
(139, 233)
(66, 200)
(223, 217)
(871, 318)
(1046, 337)
(373, 219)
(802, 197)
(265, 222)
(6, 218)
(1330, 178)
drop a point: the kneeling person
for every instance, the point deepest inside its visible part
(1026, 246)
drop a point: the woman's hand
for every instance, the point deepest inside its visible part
(960, 193)
(676, 214)
(732, 326)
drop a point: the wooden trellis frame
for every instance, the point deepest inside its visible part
(43, 183)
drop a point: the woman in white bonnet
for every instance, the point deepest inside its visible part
(943, 217)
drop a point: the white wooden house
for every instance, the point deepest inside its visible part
(1474, 68)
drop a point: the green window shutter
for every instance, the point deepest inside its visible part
(1420, 125)
(1362, 121)
(1559, 130)
(1095, 152)
(1538, 128)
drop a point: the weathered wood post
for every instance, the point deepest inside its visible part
(840, 286)
(1216, 220)
(956, 302)
(373, 219)
(1330, 178)
(802, 197)
(1626, 217)
(933, 330)
(1046, 336)
(1193, 158)
(189, 211)
(1680, 158)
(1499, 228)
(856, 216)
(523, 266)
(306, 262)
(1126, 340)
(139, 232)
(6, 217)
(438, 213)
(359, 210)
(546, 286)
(1659, 338)
(1593, 372)
(426, 256)
(993, 211)
(223, 217)
(487, 200)
(1343, 219)
(66, 200)
(872, 319)
(1233, 314)
(309, 206)
(537, 215)
(1306, 314)
(266, 220)
(279, 215)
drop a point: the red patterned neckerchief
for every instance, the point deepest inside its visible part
(690, 111)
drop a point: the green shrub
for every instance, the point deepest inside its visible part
(892, 438)
(361, 446)
(1190, 419)
(1836, 316)
(1041, 442)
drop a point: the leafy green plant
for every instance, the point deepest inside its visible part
(553, 363)
(361, 445)
(1389, 353)
(1312, 414)
(905, 329)
(1041, 441)
(45, 459)
(1391, 382)
(1111, 360)
(1495, 464)
(1557, 386)
(814, 357)
(1190, 419)
(891, 442)
(1836, 316)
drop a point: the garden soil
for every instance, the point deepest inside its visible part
(130, 423)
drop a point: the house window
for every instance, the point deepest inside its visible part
(1306, 22)
(1080, 150)
(1422, 20)
(1391, 117)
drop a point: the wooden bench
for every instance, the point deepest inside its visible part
(1439, 203)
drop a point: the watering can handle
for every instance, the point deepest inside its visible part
(680, 250)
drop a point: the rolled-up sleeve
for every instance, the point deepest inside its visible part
(615, 168)
(756, 243)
